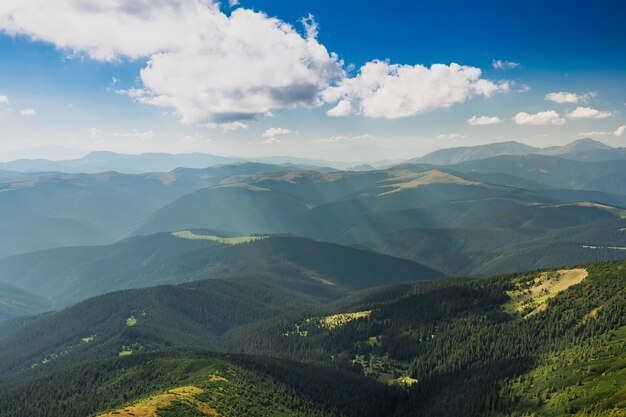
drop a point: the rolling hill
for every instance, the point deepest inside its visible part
(39, 211)
(16, 303)
(606, 176)
(581, 149)
(457, 155)
(68, 275)
(188, 384)
(525, 342)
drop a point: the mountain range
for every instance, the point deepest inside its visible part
(473, 284)
(581, 149)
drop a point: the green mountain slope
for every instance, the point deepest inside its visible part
(475, 347)
(197, 384)
(488, 251)
(39, 211)
(545, 343)
(67, 275)
(15, 302)
(607, 176)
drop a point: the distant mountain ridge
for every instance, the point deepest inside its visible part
(106, 161)
(581, 149)
(68, 275)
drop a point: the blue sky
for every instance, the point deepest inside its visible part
(233, 81)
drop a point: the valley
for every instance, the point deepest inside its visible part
(235, 289)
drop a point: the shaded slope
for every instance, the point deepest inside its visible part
(68, 275)
(16, 303)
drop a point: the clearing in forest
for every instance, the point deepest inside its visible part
(531, 297)
(150, 407)
(187, 234)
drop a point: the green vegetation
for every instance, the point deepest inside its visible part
(530, 297)
(192, 384)
(359, 327)
(186, 234)
(69, 275)
(438, 348)
(588, 380)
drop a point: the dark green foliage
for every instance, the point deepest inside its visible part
(15, 303)
(257, 386)
(68, 275)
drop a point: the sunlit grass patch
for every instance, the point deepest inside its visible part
(531, 297)
(414, 180)
(151, 407)
(237, 240)
(338, 320)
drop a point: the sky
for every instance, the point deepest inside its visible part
(342, 80)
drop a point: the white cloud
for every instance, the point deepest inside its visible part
(310, 26)
(452, 136)
(233, 3)
(392, 91)
(236, 125)
(549, 117)
(343, 108)
(204, 64)
(4, 100)
(135, 134)
(620, 131)
(270, 141)
(94, 133)
(345, 138)
(276, 131)
(588, 113)
(562, 97)
(524, 88)
(483, 120)
(28, 112)
(502, 65)
(596, 133)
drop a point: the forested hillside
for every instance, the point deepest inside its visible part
(454, 346)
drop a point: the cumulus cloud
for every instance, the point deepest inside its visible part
(135, 134)
(502, 65)
(549, 117)
(588, 113)
(452, 136)
(562, 97)
(28, 112)
(233, 3)
(276, 131)
(204, 64)
(620, 131)
(483, 120)
(343, 108)
(524, 88)
(4, 100)
(392, 91)
(211, 67)
(345, 138)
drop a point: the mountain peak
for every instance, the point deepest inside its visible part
(580, 145)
